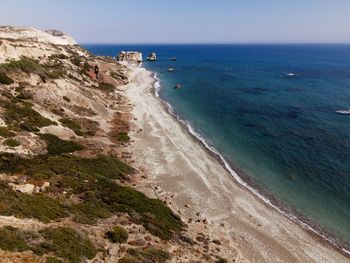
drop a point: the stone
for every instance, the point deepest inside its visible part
(217, 242)
(23, 188)
(44, 186)
(130, 56)
(200, 238)
(152, 57)
(186, 239)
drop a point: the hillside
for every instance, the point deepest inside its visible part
(67, 184)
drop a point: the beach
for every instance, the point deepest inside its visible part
(180, 171)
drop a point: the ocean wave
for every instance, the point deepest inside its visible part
(156, 85)
(290, 75)
(303, 222)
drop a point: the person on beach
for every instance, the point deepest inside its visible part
(96, 69)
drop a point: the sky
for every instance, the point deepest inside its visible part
(186, 21)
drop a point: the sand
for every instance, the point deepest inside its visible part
(195, 185)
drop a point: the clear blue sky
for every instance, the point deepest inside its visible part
(186, 21)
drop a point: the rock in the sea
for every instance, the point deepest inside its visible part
(152, 57)
(130, 56)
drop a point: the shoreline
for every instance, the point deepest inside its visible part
(236, 176)
(246, 182)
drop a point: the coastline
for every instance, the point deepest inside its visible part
(246, 182)
(250, 225)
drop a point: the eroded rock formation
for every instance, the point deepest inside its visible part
(130, 56)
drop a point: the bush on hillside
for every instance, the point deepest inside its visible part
(117, 235)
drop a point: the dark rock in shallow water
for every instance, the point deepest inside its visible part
(152, 57)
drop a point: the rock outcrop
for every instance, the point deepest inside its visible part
(130, 56)
(152, 57)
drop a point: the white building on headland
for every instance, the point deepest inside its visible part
(130, 56)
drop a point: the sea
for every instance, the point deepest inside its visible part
(279, 115)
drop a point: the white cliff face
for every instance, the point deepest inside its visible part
(16, 42)
(28, 33)
(130, 56)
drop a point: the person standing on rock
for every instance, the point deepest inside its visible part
(96, 69)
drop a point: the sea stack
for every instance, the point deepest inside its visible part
(130, 56)
(152, 57)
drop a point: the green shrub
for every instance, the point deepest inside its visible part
(58, 112)
(71, 124)
(88, 211)
(68, 244)
(123, 137)
(93, 181)
(117, 235)
(76, 61)
(126, 260)
(5, 132)
(87, 66)
(22, 205)
(28, 65)
(25, 95)
(106, 87)
(56, 146)
(24, 117)
(12, 143)
(156, 255)
(150, 254)
(67, 165)
(58, 56)
(53, 260)
(151, 213)
(4, 79)
(62, 242)
(12, 239)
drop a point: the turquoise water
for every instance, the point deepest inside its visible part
(284, 132)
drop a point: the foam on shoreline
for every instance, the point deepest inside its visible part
(262, 195)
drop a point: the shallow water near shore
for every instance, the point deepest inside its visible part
(288, 132)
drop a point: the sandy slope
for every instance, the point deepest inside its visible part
(179, 166)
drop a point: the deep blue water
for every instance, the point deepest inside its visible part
(284, 132)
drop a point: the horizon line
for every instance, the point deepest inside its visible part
(218, 43)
